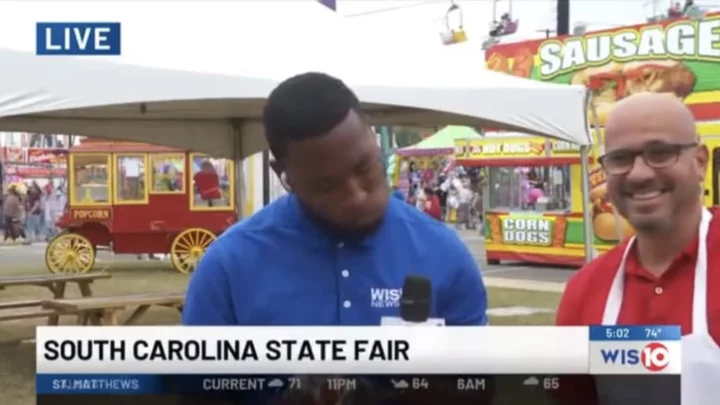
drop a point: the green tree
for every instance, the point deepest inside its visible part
(407, 137)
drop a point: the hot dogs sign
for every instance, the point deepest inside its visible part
(518, 147)
(676, 57)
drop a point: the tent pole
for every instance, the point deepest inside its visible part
(589, 234)
(239, 171)
(587, 214)
(266, 177)
(385, 146)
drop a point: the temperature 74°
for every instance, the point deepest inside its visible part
(653, 333)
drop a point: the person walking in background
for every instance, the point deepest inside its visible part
(465, 196)
(412, 195)
(34, 213)
(452, 206)
(473, 210)
(432, 204)
(55, 201)
(207, 183)
(12, 214)
(420, 198)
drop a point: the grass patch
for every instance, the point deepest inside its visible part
(17, 365)
(508, 297)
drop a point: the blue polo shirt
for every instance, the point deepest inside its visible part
(278, 267)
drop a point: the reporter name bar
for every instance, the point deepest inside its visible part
(312, 350)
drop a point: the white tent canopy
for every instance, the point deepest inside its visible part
(232, 54)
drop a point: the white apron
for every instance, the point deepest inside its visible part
(700, 354)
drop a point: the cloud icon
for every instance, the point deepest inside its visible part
(531, 381)
(400, 385)
(276, 383)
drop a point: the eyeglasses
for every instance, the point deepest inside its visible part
(655, 156)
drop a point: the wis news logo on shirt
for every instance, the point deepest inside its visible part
(385, 297)
(78, 38)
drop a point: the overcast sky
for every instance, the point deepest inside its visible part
(412, 23)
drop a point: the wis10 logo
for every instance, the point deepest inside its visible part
(78, 38)
(653, 357)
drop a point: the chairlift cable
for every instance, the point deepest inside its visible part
(390, 9)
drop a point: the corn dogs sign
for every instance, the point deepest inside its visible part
(678, 57)
(527, 231)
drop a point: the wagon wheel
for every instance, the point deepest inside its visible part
(69, 253)
(188, 247)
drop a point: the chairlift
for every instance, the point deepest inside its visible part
(696, 13)
(505, 25)
(452, 31)
(501, 27)
(579, 29)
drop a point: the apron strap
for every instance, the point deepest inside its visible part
(615, 296)
(699, 310)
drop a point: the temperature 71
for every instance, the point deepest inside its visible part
(294, 383)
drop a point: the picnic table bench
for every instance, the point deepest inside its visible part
(26, 309)
(104, 310)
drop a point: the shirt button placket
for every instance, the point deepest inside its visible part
(342, 287)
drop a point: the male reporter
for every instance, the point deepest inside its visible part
(669, 273)
(336, 249)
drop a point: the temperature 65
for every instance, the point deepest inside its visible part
(551, 383)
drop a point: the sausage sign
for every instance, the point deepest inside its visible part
(678, 57)
(682, 40)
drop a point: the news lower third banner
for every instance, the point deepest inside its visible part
(154, 358)
(531, 389)
(635, 350)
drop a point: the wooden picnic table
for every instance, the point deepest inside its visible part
(104, 310)
(56, 284)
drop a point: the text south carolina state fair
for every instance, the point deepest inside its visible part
(227, 350)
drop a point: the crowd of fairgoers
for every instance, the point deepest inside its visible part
(452, 197)
(30, 211)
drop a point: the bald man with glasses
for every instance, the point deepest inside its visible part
(669, 272)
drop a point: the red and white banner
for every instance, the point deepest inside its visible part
(46, 156)
(13, 155)
(34, 171)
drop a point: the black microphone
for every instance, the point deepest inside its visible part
(416, 299)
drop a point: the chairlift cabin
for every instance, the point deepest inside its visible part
(500, 27)
(135, 198)
(451, 27)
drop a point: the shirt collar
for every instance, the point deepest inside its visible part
(312, 227)
(687, 256)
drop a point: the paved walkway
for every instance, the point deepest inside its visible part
(516, 275)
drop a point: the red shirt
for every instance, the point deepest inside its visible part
(433, 207)
(208, 185)
(647, 299)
